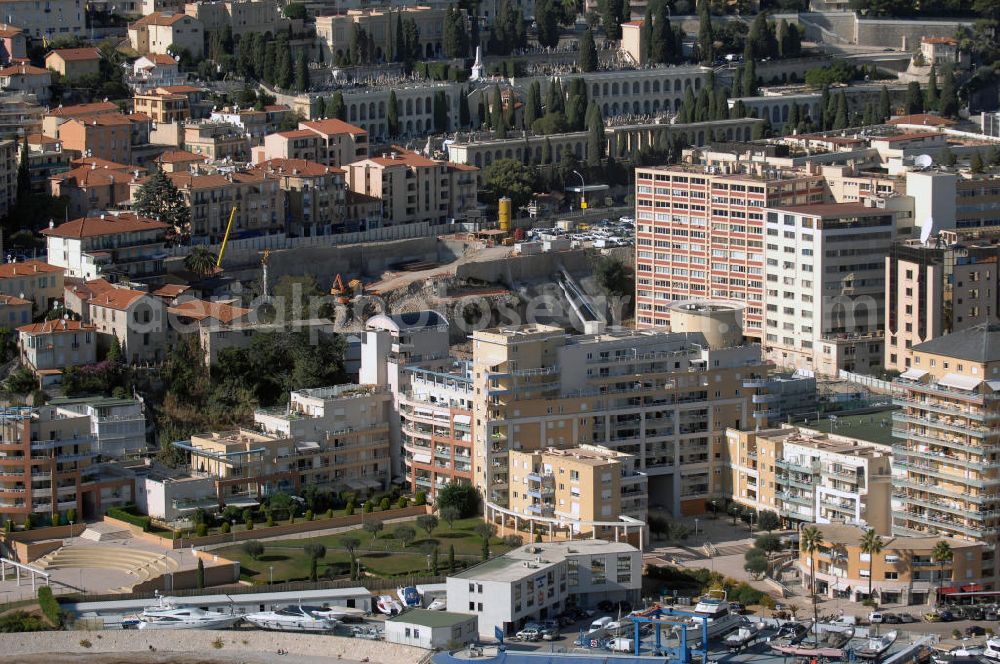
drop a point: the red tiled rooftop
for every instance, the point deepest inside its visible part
(75, 54)
(333, 126)
(56, 326)
(109, 225)
(27, 268)
(119, 299)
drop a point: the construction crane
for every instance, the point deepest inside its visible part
(225, 239)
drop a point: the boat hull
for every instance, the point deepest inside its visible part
(214, 623)
(275, 625)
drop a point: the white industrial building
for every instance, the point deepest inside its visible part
(431, 629)
(539, 581)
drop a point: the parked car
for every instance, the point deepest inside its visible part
(891, 619)
(974, 613)
(906, 618)
(530, 634)
(932, 616)
(992, 614)
(946, 616)
(876, 618)
(975, 630)
(550, 634)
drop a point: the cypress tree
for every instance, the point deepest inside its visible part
(392, 115)
(648, 35)
(270, 62)
(687, 107)
(588, 52)
(884, 105)
(532, 105)
(976, 162)
(793, 118)
(440, 107)
(914, 98)
(547, 151)
(335, 107)
(301, 73)
(496, 114)
(706, 35)
(400, 50)
(749, 78)
(840, 117)
(701, 106)
(283, 71)
(931, 103)
(595, 135)
(464, 117)
(824, 109)
(948, 104)
(739, 110)
(576, 106)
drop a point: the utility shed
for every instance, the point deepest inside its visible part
(431, 629)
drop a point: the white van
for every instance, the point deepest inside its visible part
(600, 623)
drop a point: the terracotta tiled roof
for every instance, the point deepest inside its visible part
(202, 309)
(88, 289)
(179, 89)
(41, 139)
(939, 40)
(296, 133)
(109, 225)
(106, 163)
(404, 158)
(302, 167)
(56, 326)
(179, 157)
(103, 120)
(905, 137)
(924, 119)
(160, 18)
(10, 31)
(161, 59)
(333, 126)
(85, 176)
(23, 70)
(84, 109)
(75, 54)
(27, 268)
(119, 299)
(11, 301)
(170, 291)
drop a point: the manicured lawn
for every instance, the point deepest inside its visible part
(384, 556)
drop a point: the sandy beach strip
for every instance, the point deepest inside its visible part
(196, 646)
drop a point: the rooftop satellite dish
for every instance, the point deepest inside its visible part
(923, 161)
(925, 230)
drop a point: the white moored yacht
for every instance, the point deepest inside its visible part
(292, 619)
(167, 615)
(992, 648)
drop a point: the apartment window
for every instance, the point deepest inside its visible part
(624, 569)
(598, 571)
(573, 572)
(892, 576)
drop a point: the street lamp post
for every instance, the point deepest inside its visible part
(71, 529)
(583, 194)
(232, 523)
(270, 575)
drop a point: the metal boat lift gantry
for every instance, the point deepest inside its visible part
(672, 618)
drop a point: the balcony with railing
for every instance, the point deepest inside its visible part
(914, 465)
(943, 441)
(948, 408)
(947, 424)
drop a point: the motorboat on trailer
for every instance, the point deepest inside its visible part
(745, 635)
(992, 649)
(409, 596)
(713, 608)
(292, 619)
(168, 615)
(877, 646)
(339, 613)
(388, 605)
(438, 604)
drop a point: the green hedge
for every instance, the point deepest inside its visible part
(49, 605)
(126, 515)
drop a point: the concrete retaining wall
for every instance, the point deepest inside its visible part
(515, 269)
(218, 572)
(27, 545)
(263, 532)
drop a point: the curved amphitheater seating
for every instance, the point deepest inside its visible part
(138, 564)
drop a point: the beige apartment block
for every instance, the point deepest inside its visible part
(48, 467)
(217, 141)
(903, 573)
(330, 142)
(945, 458)
(939, 287)
(413, 188)
(700, 234)
(247, 464)
(316, 194)
(45, 21)
(665, 398)
(825, 286)
(584, 487)
(156, 33)
(242, 16)
(136, 319)
(435, 409)
(56, 344)
(807, 476)
(162, 106)
(334, 31)
(39, 282)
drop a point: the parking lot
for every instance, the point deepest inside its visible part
(602, 234)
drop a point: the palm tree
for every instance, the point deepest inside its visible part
(941, 555)
(201, 261)
(812, 540)
(871, 544)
